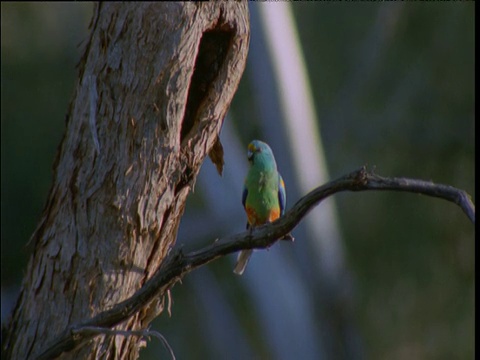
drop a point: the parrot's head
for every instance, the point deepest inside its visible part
(261, 155)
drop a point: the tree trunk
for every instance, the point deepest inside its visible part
(155, 83)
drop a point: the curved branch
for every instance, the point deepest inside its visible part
(139, 333)
(177, 264)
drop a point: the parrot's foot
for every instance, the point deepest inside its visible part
(288, 237)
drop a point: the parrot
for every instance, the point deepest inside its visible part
(264, 197)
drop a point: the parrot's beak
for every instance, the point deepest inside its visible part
(251, 150)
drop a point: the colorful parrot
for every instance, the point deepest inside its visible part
(264, 196)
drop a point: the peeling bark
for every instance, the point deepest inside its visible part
(155, 83)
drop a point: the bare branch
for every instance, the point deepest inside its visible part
(177, 264)
(92, 330)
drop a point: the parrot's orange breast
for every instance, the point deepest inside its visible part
(254, 219)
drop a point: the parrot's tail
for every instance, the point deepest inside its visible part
(242, 261)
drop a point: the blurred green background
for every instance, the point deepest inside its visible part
(397, 95)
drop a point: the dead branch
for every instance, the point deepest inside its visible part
(177, 264)
(91, 330)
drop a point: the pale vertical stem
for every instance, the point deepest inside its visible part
(302, 131)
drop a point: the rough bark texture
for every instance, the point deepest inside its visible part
(155, 83)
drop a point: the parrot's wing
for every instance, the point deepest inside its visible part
(282, 195)
(244, 199)
(244, 195)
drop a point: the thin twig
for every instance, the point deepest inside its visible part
(93, 330)
(176, 264)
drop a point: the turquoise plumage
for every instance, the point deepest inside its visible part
(264, 195)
